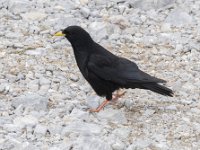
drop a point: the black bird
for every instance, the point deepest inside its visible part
(106, 72)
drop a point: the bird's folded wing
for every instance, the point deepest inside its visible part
(118, 70)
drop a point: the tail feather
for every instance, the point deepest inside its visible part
(159, 89)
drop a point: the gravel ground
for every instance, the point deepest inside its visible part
(44, 97)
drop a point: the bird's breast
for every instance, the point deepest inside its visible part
(82, 61)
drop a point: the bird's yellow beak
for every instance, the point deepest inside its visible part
(59, 34)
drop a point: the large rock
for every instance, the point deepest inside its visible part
(91, 142)
(82, 128)
(179, 17)
(150, 4)
(19, 6)
(98, 30)
(32, 100)
(25, 121)
(112, 115)
(34, 16)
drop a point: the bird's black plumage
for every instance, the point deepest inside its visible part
(106, 72)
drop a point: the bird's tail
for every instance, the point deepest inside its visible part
(159, 89)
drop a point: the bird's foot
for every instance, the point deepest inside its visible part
(117, 96)
(105, 102)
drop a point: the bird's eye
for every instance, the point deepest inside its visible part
(66, 32)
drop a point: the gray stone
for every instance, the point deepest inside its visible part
(15, 35)
(93, 101)
(166, 27)
(179, 17)
(171, 107)
(149, 112)
(55, 128)
(54, 148)
(91, 142)
(82, 127)
(83, 115)
(140, 144)
(112, 115)
(150, 4)
(31, 100)
(33, 85)
(122, 133)
(118, 145)
(18, 6)
(179, 47)
(74, 77)
(2, 88)
(11, 127)
(33, 16)
(44, 81)
(98, 30)
(120, 20)
(38, 51)
(20, 76)
(40, 129)
(84, 2)
(24, 121)
(85, 12)
(195, 110)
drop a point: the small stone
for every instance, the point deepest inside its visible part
(139, 144)
(84, 2)
(85, 12)
(82, 127)
(150, 4)
(195, 110)
(120, 20)
(77, 113)
(55, 128)
(38, 51)
(166, 27)
(98, 30)
(54, 148)
(171, 107)
(143, 18)
(2, 88)
(40, 129)
(118, 145)
(18, 45)
(122, 133)
(128, 103)
(44, 81)
(179, 17)
(19, 6)
(149, 112)
(31, 100)
(90, 142)
(179, 47)
(33, 16)
(2, 54)
(11, 127)
(27, 120)
(93, 101)
(20, 76)
(113, 115)
(33, 85)
(74, 77)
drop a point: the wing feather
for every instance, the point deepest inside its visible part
(119, 70)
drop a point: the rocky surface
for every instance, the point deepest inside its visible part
(44, 98)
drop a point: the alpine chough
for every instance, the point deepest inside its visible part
(106, 72)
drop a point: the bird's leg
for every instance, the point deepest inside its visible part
(105, 102)
(100, 106)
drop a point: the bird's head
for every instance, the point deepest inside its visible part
(76, 35)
